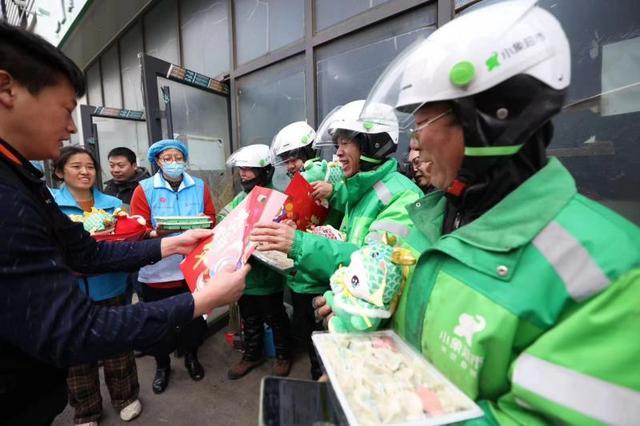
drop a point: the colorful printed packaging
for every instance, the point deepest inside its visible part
(229, 245)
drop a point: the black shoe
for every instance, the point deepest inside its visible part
(195, 369)
(161, 380)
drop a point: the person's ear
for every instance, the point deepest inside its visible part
(59, 175)
(7, 89)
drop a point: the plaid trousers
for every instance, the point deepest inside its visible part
(121, 377)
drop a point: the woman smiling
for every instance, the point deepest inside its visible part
(77, 168)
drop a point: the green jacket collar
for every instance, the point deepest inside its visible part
(362, 182)
(511, 223)
(502, 232)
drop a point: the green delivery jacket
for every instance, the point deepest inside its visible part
(533, 309)
(262, 280)
(375, 202)
(318, 170)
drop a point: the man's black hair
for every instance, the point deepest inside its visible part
(123, 151)
(34, 62)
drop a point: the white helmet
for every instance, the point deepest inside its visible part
(293, 140)
(473, 53)
(503, 69)
(347, 117)
(378, 138)
(257, 155)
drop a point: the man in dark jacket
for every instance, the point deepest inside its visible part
(46, 322)
(126, 174)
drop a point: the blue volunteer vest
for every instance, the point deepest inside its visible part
(188, 200)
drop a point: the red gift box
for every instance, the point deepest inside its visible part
(230, 246)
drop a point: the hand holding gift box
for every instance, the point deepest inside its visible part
(229, 246)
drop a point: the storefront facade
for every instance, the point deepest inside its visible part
(262, 64)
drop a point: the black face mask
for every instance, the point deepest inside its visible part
(248, 185)
(263, 178)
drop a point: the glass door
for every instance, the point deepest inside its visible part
(107, 128)
(182, 104)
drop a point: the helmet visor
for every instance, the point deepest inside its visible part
(399, 86)
(274, 155)
(282, 159)
(324, 135)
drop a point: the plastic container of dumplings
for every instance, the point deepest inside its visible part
(380, 379)
(179, 223)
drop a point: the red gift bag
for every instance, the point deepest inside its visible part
(301, 207)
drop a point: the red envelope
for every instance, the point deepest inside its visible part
(230, 245)
(301, 207)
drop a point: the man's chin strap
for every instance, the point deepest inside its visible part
(468, 198)
(369, 163)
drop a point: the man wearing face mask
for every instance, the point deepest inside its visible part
(171, 192)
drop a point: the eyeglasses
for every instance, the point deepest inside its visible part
(415, 162)
(172, 159)
(413, 133)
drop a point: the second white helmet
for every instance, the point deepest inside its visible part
(257, 155)
(293, 140)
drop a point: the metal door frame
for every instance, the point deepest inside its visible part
(90, 129)
(152, 68)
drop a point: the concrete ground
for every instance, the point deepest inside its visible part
(214, 400)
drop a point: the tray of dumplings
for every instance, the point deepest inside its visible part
(380, 379)
(276, 260)
(181, 223)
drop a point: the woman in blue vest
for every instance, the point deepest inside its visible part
(77, 168)
(171, 192)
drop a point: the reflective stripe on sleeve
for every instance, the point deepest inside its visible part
(580, 273)
(587, 395)
(390, 226)
(383, 192)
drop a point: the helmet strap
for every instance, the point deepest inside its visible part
(370, 159)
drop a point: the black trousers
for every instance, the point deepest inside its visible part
(304, 323)
(39, 407)
(258, 310)
(188, 338)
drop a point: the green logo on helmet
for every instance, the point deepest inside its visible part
(263, 162)
(493, 62)
(305, 139)
(368, 125)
